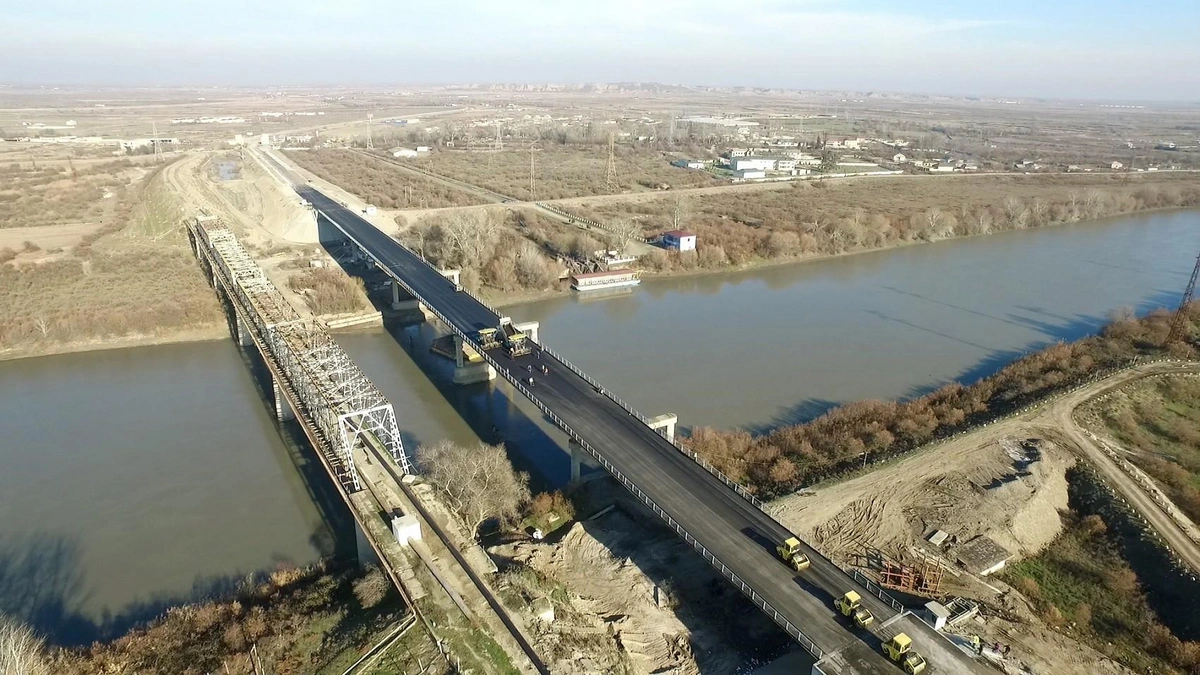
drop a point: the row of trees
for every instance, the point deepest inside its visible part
(822, 219)
(484, 244)
(781, 461)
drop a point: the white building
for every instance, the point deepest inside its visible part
(1116, 165)
(403, 152)
(752, 164)
(750, 174)
(694, 164)
(679, 240)
(422, 148)
(944, 166)
(899, 158)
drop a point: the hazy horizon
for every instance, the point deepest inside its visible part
(1020, 49)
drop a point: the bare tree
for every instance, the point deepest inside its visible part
(1041, 212)
(20, 650)
(1018, 213)
(478, 480)
(626, 230)
(473, 236)
(679, 212)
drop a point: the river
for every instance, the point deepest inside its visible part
(141, 477)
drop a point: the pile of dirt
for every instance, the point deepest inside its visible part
(1005, 488)
(630, 596)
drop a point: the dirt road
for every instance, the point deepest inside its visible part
(1061, 416)
(940, 486)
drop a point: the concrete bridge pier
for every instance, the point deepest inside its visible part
(664, 425)
(403, 301)
(243, 333)
(453, 275)
(470, 372)
(283, 409)
(579, 460)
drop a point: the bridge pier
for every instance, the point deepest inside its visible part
(283, 409)
(664, 425)
(579, 459)
(529, 328)
(453, 275)
(243, 333)
(402, 301)
(472, 372)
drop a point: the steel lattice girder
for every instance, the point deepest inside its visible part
(337, 396)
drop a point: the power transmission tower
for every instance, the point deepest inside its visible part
(158, 156)
(370, 131)
(610, 174)
(1176, 334)
(671, 136)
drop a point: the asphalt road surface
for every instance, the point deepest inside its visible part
(732, 529)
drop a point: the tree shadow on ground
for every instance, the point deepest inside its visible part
(43, 584)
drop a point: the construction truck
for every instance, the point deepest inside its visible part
(850, 605)
(789, 551)
(516, 342)
(899, 650)
(487, 338)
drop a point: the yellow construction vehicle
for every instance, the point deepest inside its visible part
(487, 338)
(851, 605)
(789, 551)
(899, 649)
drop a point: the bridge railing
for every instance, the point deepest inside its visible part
(876, 590)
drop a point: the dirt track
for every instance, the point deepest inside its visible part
(1061, 416)
(1021, 516)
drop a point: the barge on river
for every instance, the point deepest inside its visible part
(595, 281)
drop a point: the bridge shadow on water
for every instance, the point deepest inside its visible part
(335, 538)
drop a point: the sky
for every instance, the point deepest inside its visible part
(1098, 49)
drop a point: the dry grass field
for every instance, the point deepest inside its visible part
(563, 170)
(125, 273)
(378, 183)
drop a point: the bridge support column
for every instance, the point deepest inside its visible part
(402, 301)
(453, 275)
(366, 554)
(529, 328)
(243, 333)
(283, 409)
(580, 459)
(664, 425)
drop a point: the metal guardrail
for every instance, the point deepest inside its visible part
(581, 219)
(746, 589)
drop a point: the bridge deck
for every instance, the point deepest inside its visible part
(739, 534)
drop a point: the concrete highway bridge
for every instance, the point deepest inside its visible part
(722, 521)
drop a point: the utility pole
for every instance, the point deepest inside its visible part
(158, 156)
(370, 131)
(610, 173)
(1176, 334)
(532, 194)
